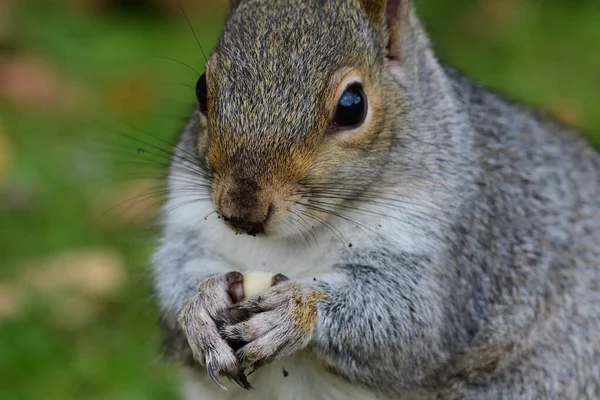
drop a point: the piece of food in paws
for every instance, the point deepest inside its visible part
(256, 282)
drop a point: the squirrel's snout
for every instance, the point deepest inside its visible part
(244, 209)
(246, 226)
(249, 223)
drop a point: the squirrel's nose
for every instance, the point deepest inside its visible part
(249, 225)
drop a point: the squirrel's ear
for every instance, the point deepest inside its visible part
(389, 15)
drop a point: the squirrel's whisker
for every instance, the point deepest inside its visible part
(181, 63)
(327, 224)
(302, 222)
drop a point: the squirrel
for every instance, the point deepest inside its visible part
(433, 240)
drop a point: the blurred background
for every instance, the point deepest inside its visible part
(91, 94)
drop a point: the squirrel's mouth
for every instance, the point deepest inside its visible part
(249, 225)
(250, 205)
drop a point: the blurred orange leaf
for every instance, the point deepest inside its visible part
(132, 96)
(89, 273)
(10, 300)
(566, 112)
(28, 82)
(77, 284)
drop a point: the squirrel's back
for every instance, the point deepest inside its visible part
(532, 233)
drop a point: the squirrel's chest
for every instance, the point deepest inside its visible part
(296, 378)
(298, 257)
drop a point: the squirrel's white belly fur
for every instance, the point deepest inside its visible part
(306, 377)
(296, 378)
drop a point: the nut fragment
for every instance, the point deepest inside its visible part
(256, 282)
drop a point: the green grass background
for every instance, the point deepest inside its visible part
(545, 53)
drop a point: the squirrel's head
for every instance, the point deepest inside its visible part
(298, 108)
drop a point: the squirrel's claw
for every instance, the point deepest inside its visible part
(279, 278)
(241, 380)
(214, 375)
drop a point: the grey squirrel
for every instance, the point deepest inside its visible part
(434, 240)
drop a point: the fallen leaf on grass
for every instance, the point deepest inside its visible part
(91, 273)
(131, 96)
(11, 298)
(566, 113)
(25, 80)
(28, 82)
(76, 285)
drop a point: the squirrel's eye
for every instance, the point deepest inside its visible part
(352, 108)
(201, 93)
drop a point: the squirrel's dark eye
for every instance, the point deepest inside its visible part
(352, 108)
(201, 93)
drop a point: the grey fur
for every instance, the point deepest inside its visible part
(504, 301)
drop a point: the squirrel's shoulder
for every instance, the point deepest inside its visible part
(491, 107)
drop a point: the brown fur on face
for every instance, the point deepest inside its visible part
(270, 144)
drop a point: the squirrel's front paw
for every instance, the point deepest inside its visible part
(283, 322)
(204, 315)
